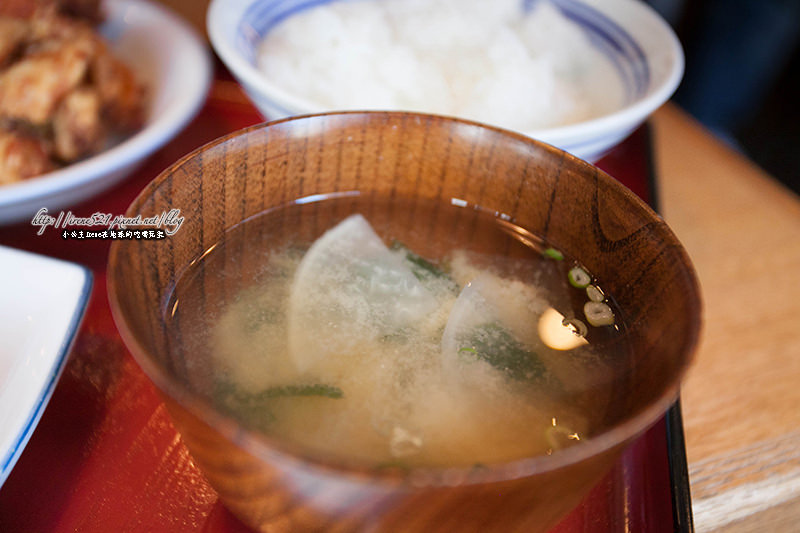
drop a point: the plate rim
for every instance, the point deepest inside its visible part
(10, 456)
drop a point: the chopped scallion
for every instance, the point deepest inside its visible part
(577, 327)
(598, 314)
(595, 294)
(578, 277)
(552, 253)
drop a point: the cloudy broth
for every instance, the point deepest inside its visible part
(399, 333)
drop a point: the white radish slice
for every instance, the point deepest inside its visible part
(488, 299)
(349, 289)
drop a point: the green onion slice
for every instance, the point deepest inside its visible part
(577, 327)
(595, 294)
(552, 253)
(598, 314)
(578, 277)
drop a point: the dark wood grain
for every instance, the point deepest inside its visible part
(578, 208)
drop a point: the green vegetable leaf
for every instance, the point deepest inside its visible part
(255, 409)
(394, 464)
(422, 268)
(255, 320)
(317, 389)
(495, 345)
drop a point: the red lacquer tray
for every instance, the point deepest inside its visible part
(105, 456)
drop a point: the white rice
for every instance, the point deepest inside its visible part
(479, 59)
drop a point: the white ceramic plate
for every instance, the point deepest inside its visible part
(42, 301)
(173, 62)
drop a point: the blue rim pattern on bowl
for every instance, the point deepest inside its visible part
(604, 34)
(261, 17)
(614, 42)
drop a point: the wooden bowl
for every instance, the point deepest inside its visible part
(575, 206)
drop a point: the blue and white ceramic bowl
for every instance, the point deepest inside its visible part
(644, 51)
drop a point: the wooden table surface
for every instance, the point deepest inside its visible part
(741, 402)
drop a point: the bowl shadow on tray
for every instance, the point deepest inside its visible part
(575, 206)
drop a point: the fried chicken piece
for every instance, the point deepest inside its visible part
(84, 9)
(77, 126)
(122, 95)
(49, 29)
(31, 88)
(21, 9)
(13, 33)
(62, 92)
(21, 157)
(26, 9)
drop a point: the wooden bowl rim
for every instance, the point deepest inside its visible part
(271, 449)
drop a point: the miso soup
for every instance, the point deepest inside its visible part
(392, 332)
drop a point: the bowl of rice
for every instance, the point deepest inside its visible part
(578, 74)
